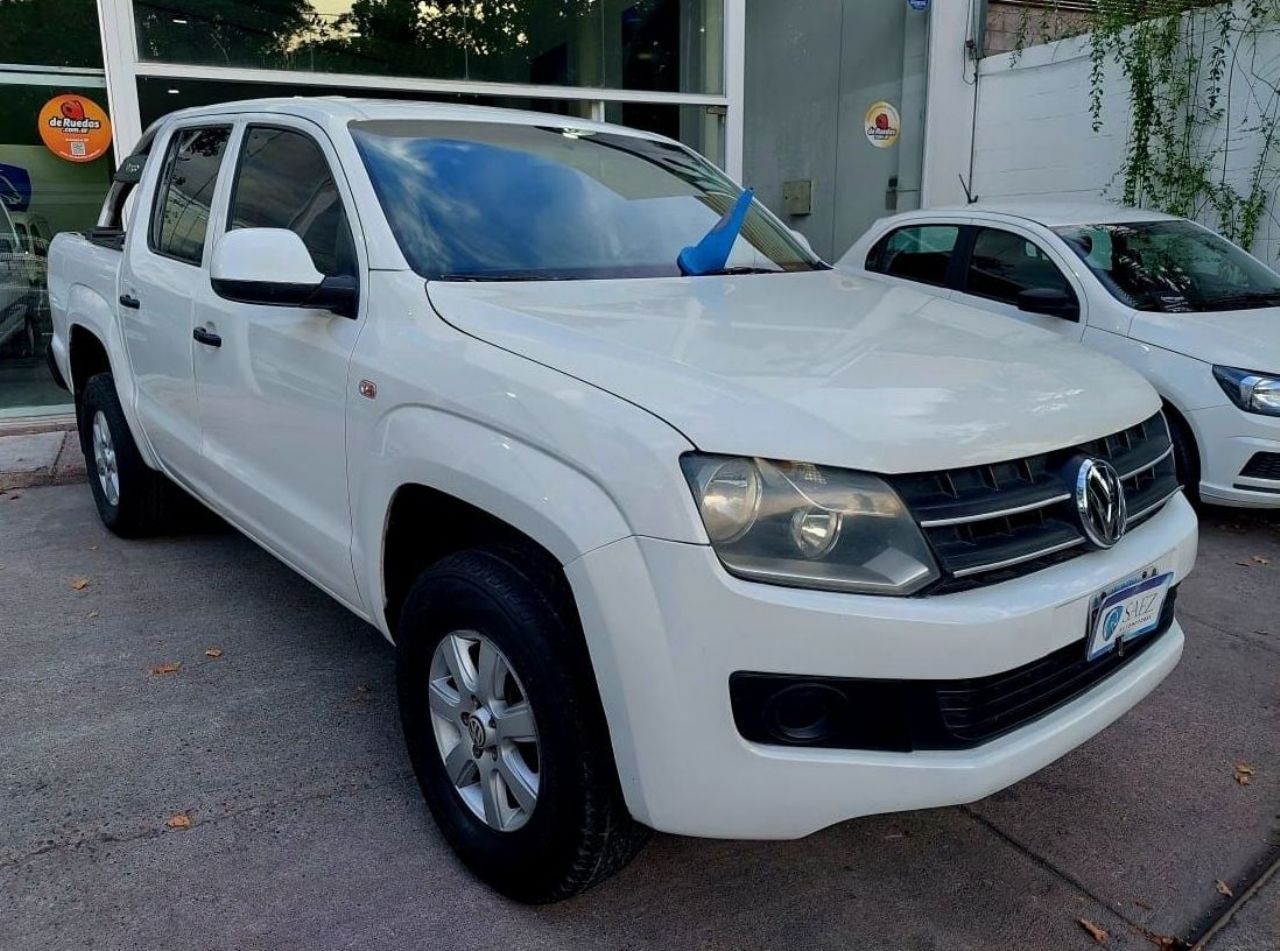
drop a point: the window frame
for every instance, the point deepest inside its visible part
(976, 229)
(161, 187)
(242, 141)
(959, 251)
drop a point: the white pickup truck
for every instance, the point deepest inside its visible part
(672, 525)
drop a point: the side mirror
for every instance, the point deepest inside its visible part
(1049, 301)
(272, 266)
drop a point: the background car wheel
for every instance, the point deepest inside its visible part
(505, 728)
(1186, 457)
(132, 498)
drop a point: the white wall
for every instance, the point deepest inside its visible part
(1035, 136)
(948, 120)
(1034, 130)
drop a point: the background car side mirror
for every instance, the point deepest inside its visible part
(1050, 301)
(272, 266)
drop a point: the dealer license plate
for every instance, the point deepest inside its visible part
(1128, 612)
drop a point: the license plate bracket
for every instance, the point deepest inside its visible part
(1127, 612)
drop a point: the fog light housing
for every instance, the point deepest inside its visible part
(805, 713)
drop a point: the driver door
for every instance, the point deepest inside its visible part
(1002, 262)
(272, 381)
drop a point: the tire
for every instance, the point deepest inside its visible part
(1186, 458)
(133, 499)
(578, 831)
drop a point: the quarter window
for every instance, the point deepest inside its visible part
(1004, 264)
(284, 182)
(917, 252)
(180, 221)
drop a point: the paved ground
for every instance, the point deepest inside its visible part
(49, 456)
(307, 830)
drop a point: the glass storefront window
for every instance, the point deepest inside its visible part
(657, 45)
(41, 193)
(699, 127)
(50, 33)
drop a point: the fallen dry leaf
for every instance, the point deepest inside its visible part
(1166, 942)
(1258, 559)
(1243, 773)
(1224, 889)
(93, 614)
(79, 584)
(179, 820)
(173, 668)
(214, 652)
(1141, 904)
(1096, 931)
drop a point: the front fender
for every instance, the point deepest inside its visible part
(556, 505)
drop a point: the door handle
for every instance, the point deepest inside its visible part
(206, 337)
(128, 300)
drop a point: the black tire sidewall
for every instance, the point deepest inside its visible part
(536, 641)
(1186, 458)
(135, 476)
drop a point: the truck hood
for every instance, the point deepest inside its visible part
(1247, 339)
(817, 366)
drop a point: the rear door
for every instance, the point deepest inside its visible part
(166, 251)
(273, 391)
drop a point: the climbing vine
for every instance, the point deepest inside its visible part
(1203, 105)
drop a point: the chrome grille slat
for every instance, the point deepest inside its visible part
(989, 523)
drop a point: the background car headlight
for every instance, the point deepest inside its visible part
(808, 526)
(1252, 392)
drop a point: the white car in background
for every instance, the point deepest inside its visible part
(1199, 317)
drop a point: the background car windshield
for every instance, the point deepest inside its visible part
(496, 201)
(1173, 266)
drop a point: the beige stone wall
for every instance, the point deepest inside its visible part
(1036, 23)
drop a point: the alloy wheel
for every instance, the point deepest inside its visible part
(104, 459)
(484, 729)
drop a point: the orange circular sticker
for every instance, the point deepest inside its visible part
(75, 128)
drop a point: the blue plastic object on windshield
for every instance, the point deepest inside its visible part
(712, 252)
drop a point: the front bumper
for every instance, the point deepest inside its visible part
(1228, 438)
(667, 626)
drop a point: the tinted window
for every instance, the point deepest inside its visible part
(180, 220)
(1004, 264)
(284, 182)
(917, 253)
(1173, 266)
(506, 201)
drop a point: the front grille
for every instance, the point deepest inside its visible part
(908, 715)
(1263, 465)
(988, 524)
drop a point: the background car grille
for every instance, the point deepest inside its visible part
(1263, 465)
(990, 523)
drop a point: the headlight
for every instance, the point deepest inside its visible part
(1252, 392)
(807, 526)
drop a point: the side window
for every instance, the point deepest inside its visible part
(1004, 264)
(180, 218)
(284, 181)
(916, 252)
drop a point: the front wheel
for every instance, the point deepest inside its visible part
(1186, 458)
(505, 729)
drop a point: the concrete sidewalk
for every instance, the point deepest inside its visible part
(44, 457)
(307, 830)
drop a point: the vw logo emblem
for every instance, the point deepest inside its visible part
(1100, 502)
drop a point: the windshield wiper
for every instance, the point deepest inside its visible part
(710, 255)
(1261, 298)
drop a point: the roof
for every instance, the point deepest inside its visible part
(327, 110)
(1053, 214)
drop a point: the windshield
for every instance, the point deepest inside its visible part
(487, 201)
(1173, 266)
